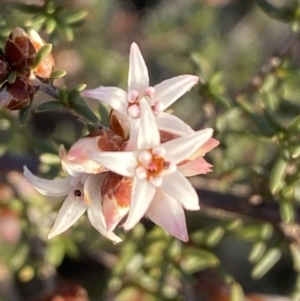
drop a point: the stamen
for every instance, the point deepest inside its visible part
(158, 107)
(159, 151)
(133, 96)
(134, 111)
(145, 157)
(149, 92)
(141, 173)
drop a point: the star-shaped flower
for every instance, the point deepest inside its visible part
(126, 105)
(83, 194)
(159, 189)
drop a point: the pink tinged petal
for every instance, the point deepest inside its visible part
(72, 208)
(195, 167)
(172, 124)
(168, 91)
(134, 128)
(148, 135)
(178, 187)
(122, 163)
(206, 147)
(181, 148)
(113, 96)
(66, 165)
(57, 187)
(78, 158)
(142, 195)
(167, 213)
(92, 198)
(138, 78)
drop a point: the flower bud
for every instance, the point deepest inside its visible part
(17, 95)
(19, 50)
(4, 69)
(44, 69)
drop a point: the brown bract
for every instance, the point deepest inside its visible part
(19, 51)
(20, 93)
(4, 68)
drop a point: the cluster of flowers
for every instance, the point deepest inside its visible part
(137, 167)
(18, 68)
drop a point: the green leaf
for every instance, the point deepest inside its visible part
(214, 236)
(50, 25)
(195, 260)
(294, 126)
(55, 251)
(295, 252)
(256, 232)
(24, 113)
(58, 74)
(257, 251)
(286, 211)
(80, 87)
(63, 96)
(80, 107)
(266, 263)
(41, 55)
(49, 105)
(76, 17)
(277, 175)
(67, 32)
(236, 292)
(39, 19)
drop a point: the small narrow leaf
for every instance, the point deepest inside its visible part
(80, 107)
(236, 292)
(286, 211)
(277, 175)
(257, 251)
(76, 17)
(214, 236)
(266, 263)
(24, 113)
(195, 260)
(27, 8)
(295, 251)
(41, 55)
(80, 87)
(49, 105)
(50, 25)
(58, 74)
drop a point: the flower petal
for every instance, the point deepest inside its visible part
(205, 148)
(181, 148)
(113, 96)
(167, 213)
(57, 187)
(171, 89)
(72, 208)
(92, 196)
(172, 124)
(138, 78)
(148, 135)
(195, 167)
(122, 163)
(142, 195)
(178, 187)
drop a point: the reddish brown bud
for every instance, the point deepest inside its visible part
(17, 95)
(19, 50)
(4, 69)
(44, 69)
(119, 124)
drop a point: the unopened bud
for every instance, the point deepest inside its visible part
(45, 67)
(17, 95)
(19, 50)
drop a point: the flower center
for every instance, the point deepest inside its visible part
(134, 98)
(152, 165)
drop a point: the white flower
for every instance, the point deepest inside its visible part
(83, 194)
(159, 188)
(159, 97)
